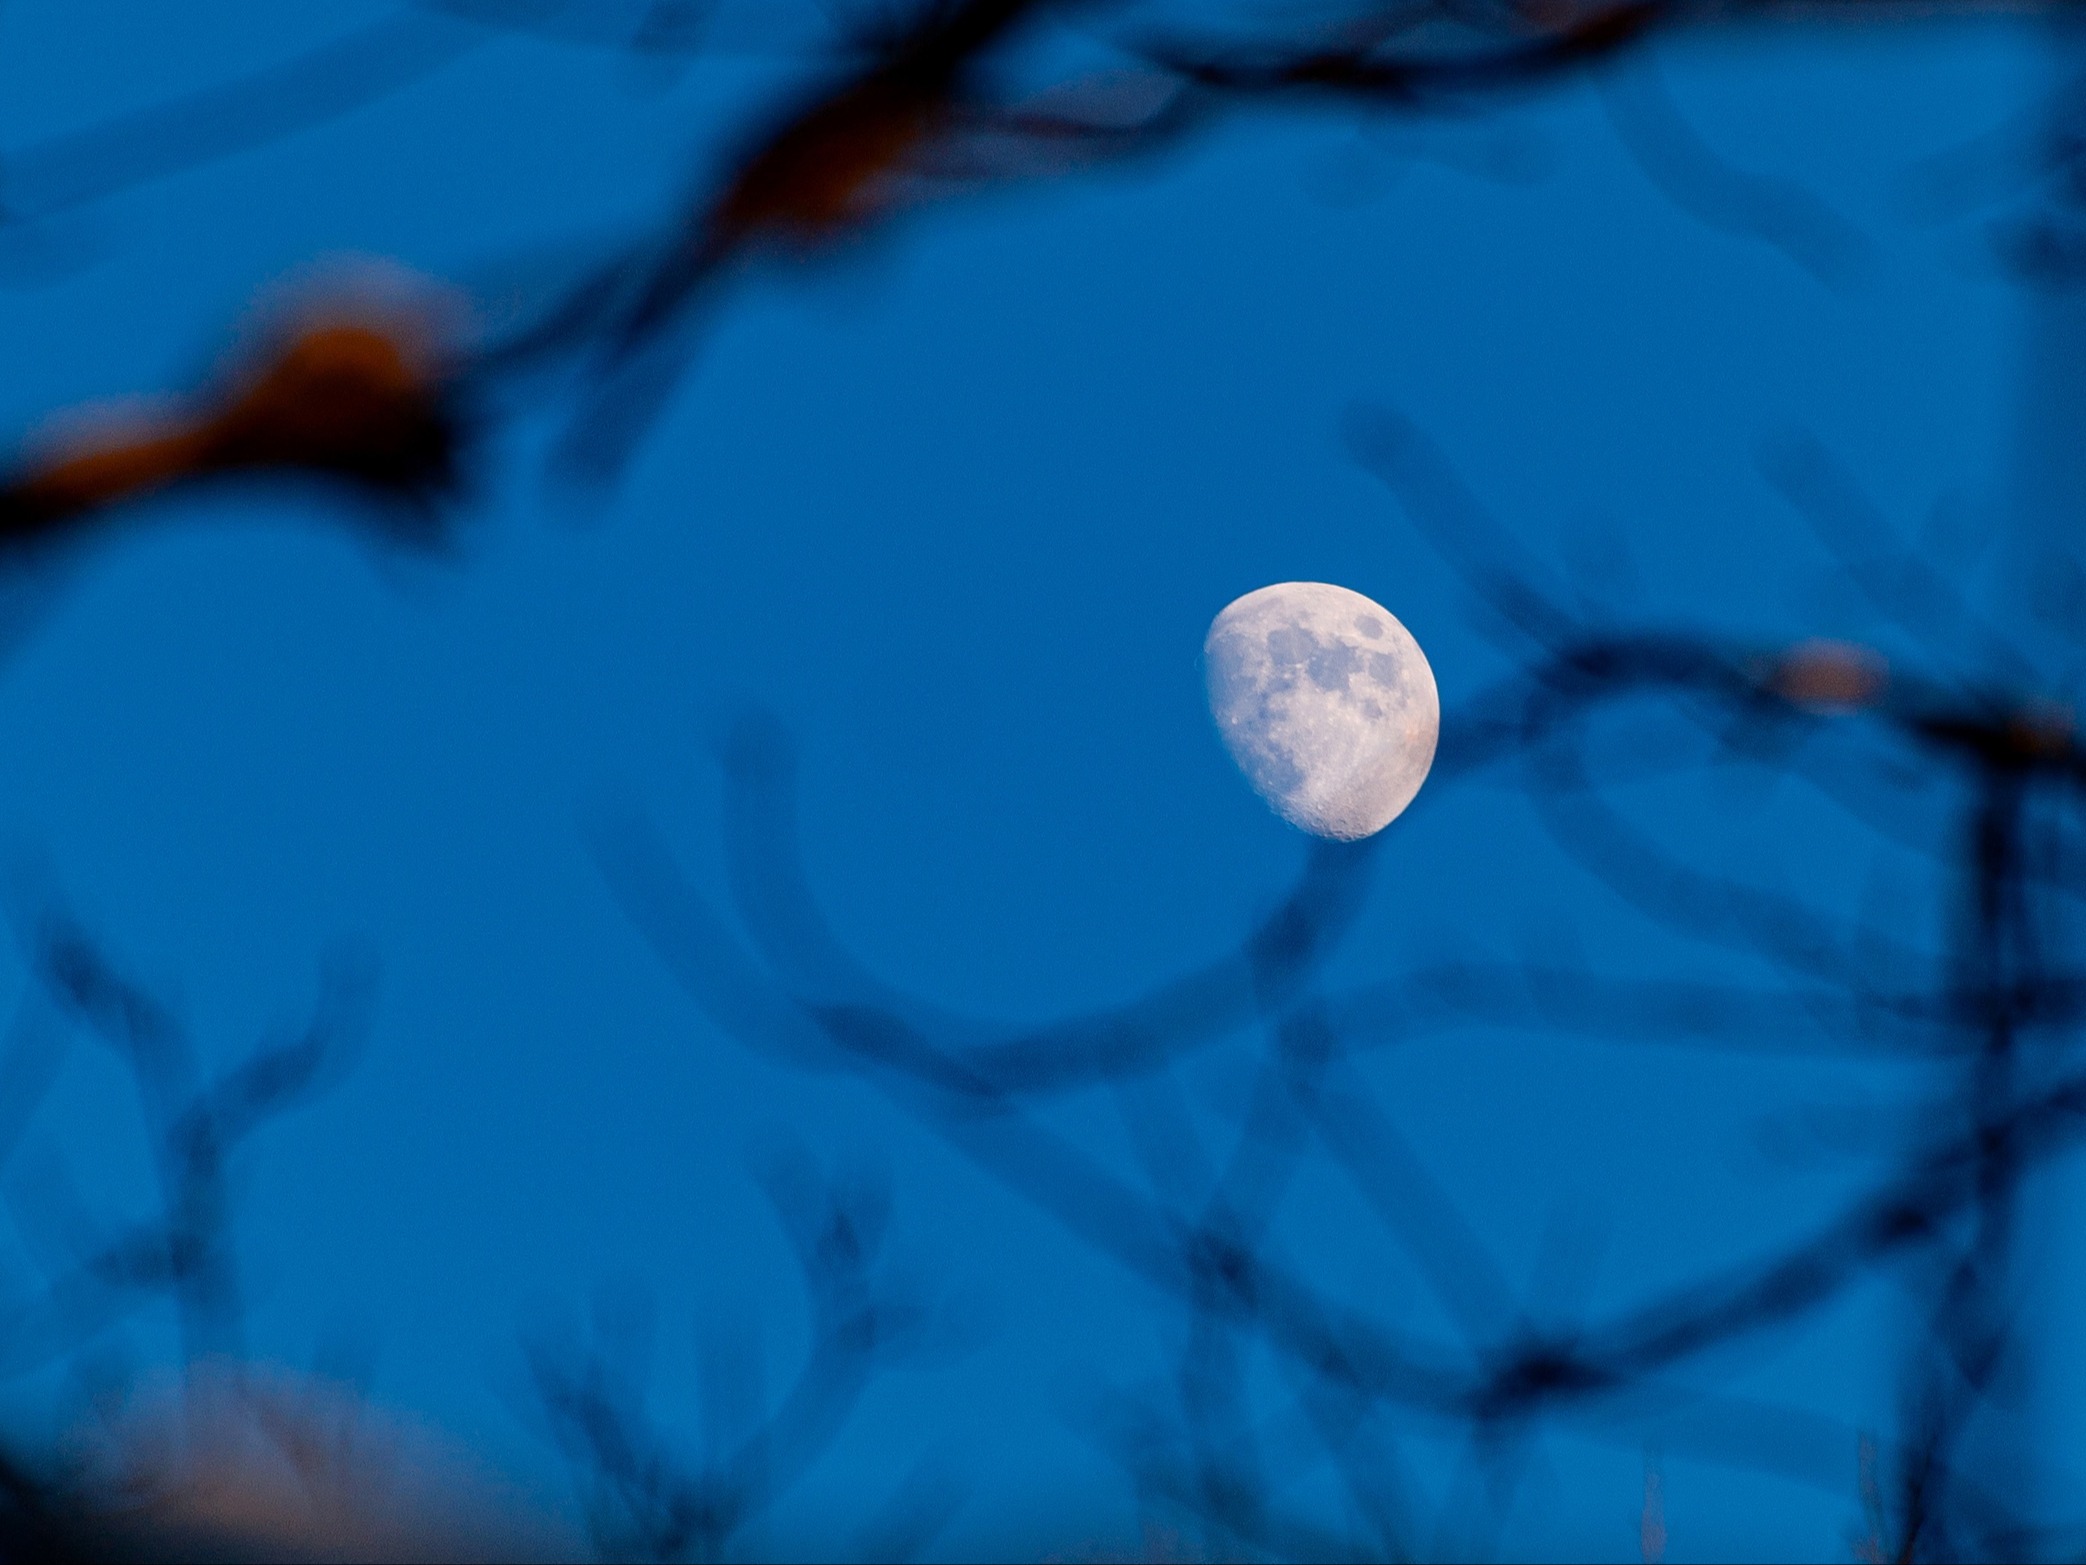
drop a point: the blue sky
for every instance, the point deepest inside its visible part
(957, 510)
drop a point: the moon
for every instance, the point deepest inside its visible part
(1326, 703)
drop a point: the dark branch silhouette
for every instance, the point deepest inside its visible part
(362, 403)
(1993, 1004)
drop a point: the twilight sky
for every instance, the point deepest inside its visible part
(956, 510)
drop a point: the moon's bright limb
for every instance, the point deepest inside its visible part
(1326, 703)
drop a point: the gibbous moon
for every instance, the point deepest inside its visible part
(1326, 703)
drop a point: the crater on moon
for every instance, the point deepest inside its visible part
(1326, 703)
